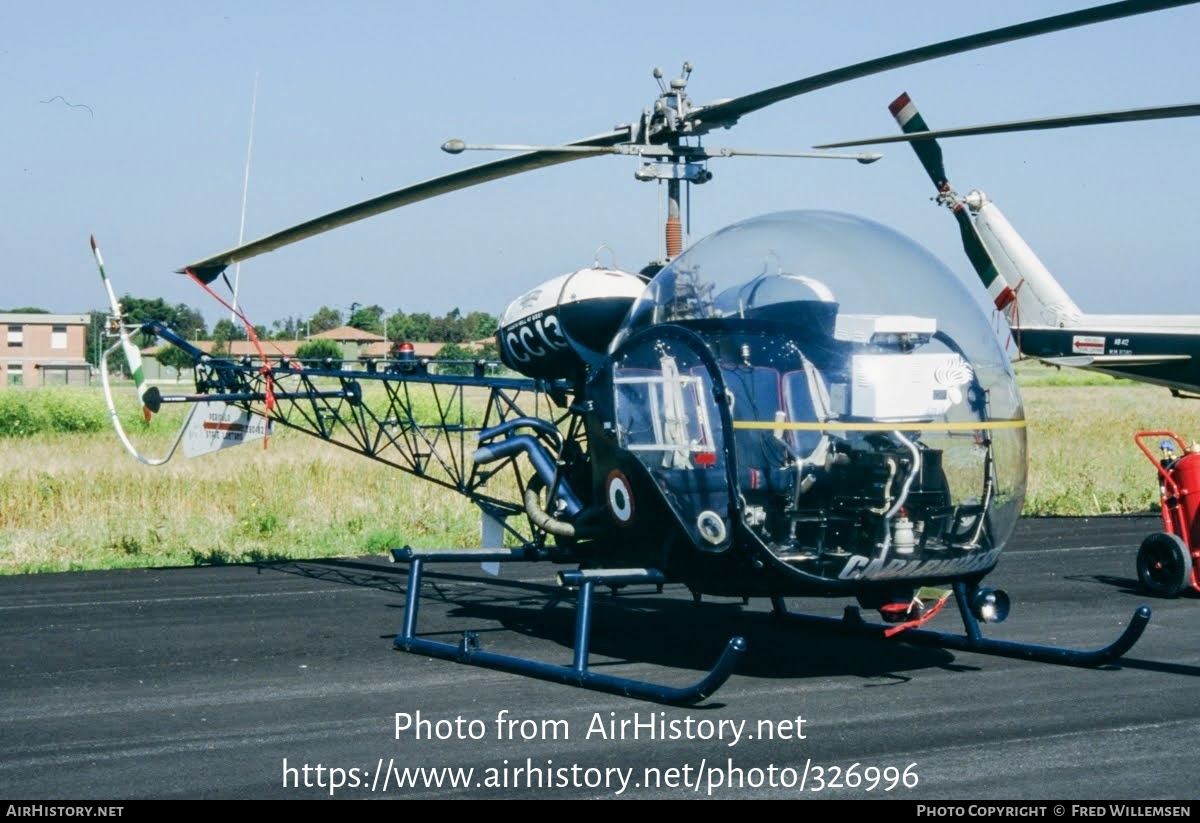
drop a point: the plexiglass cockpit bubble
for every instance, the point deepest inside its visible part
(843, 383)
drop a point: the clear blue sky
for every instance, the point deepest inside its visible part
(131, 120)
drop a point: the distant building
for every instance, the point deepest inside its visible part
(354, 342)
(44, 349)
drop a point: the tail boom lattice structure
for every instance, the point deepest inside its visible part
(408, 417)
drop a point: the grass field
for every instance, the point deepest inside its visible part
(71, 497)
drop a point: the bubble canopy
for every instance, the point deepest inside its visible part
(849, 385)
(862, 266)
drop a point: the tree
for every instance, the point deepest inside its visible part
(397, 327)
(489, 351)
(324, 320)
(416, 327)
(189, 323)
(140, 310)
(226, 329)
(320, 351)
(175, 358)
(480, 325)
(98, 341)
(453, 351)
(367, 318)
(287, 329)
(446, 330)
(181, 318)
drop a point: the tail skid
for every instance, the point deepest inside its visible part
(115, 417)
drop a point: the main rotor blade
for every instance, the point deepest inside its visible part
(717, 114)
(727, 112)
(1067, 121)
(210, 268)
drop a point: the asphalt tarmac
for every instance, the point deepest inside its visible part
(281, 681)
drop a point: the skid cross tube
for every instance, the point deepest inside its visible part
(577, 674)
(973, 640)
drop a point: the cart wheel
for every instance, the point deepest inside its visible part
(1164, 565)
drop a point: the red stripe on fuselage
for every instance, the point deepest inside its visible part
(225, 427)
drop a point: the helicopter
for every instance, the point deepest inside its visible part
(802, 404)
(1046, 324)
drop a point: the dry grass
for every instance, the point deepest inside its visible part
(1082, 456)
(80, 501)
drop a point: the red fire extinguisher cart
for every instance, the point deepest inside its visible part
(1167, 561)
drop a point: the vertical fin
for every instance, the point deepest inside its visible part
(1040, 298)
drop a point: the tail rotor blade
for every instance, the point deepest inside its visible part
(133, 357)
(981, 260)
(930, 154)
(928, 151)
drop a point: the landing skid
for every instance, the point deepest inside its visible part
(974, 641)
(467, 650)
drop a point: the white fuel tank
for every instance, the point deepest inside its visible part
(555, 329)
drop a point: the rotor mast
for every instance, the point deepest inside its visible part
(672, 115)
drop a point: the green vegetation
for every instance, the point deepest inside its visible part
(453, 328)
(72, 498)
(60, 410)
(318, 351)
(1032, 374)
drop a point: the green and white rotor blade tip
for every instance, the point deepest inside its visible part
(133, 357)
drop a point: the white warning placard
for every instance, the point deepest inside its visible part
(216, 425)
